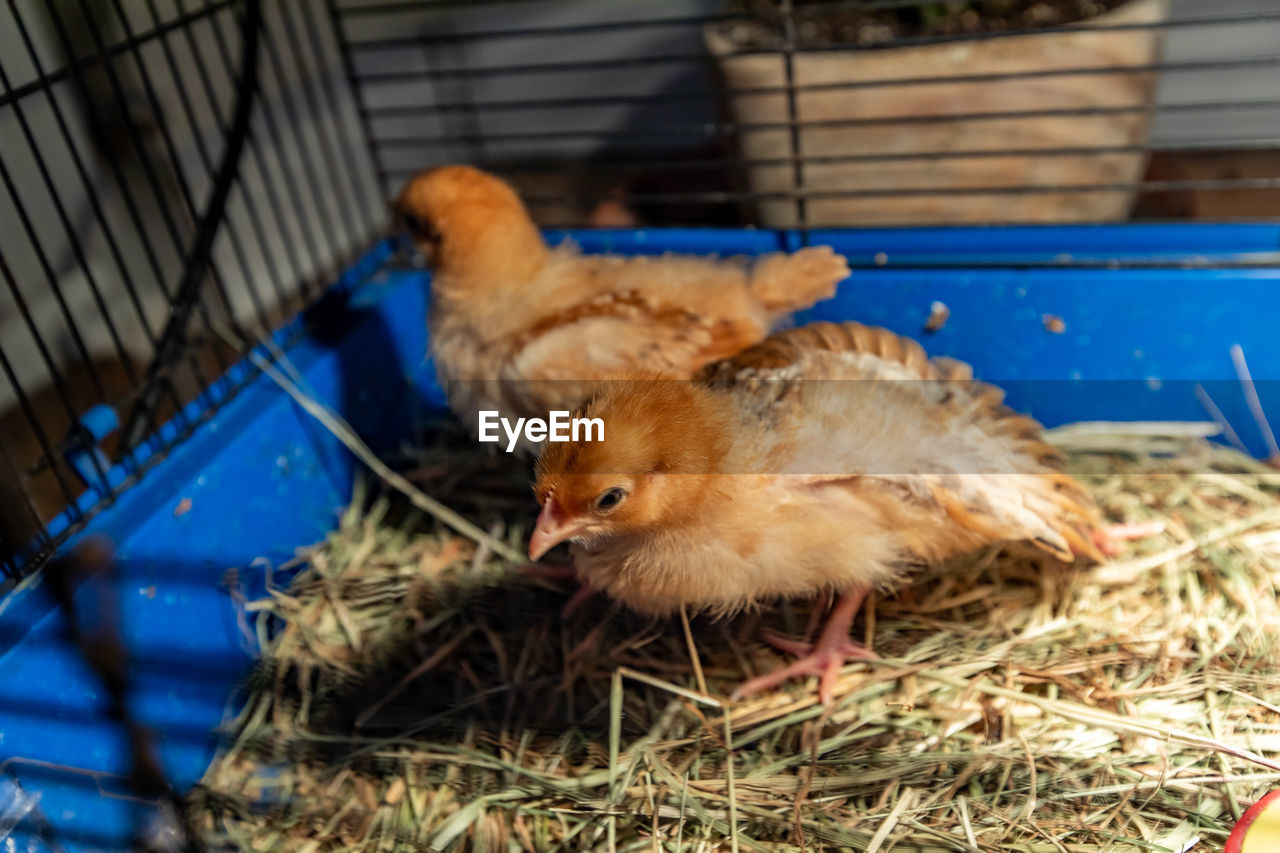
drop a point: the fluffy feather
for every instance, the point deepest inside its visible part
(522, 328)
(830, 457)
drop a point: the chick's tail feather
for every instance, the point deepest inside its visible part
(784, 283)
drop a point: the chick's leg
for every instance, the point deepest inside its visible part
(823, 658)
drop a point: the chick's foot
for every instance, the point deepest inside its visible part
(823, 659)
(1109, 539)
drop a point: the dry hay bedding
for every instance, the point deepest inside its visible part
(416, 697)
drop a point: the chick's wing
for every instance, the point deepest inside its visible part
(621, 333)
(854, 407)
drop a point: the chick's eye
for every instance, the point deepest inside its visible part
(610, 498)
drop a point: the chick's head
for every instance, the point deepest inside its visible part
(663, 443)
(470, 225)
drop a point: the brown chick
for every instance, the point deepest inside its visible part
(764, 478)
(521, 328)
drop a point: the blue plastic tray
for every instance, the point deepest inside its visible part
(1148, 311)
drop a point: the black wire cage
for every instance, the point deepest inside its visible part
(172, 171)
(180, 173)
(182, 176)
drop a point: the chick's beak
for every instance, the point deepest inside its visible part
(552, 529)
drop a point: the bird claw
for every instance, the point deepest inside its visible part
(823, 660)
(1108, 538)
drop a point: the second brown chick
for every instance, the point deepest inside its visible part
(829, 458)
(523, 329)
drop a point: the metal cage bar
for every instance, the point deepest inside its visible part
(116, 116)
(547, 128)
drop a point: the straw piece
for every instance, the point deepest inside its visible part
(1216, 413)
(693, 652)
(669, 687)
(1251, 397)
(342, 431)
(882, 833)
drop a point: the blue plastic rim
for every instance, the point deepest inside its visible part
(258, 478)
